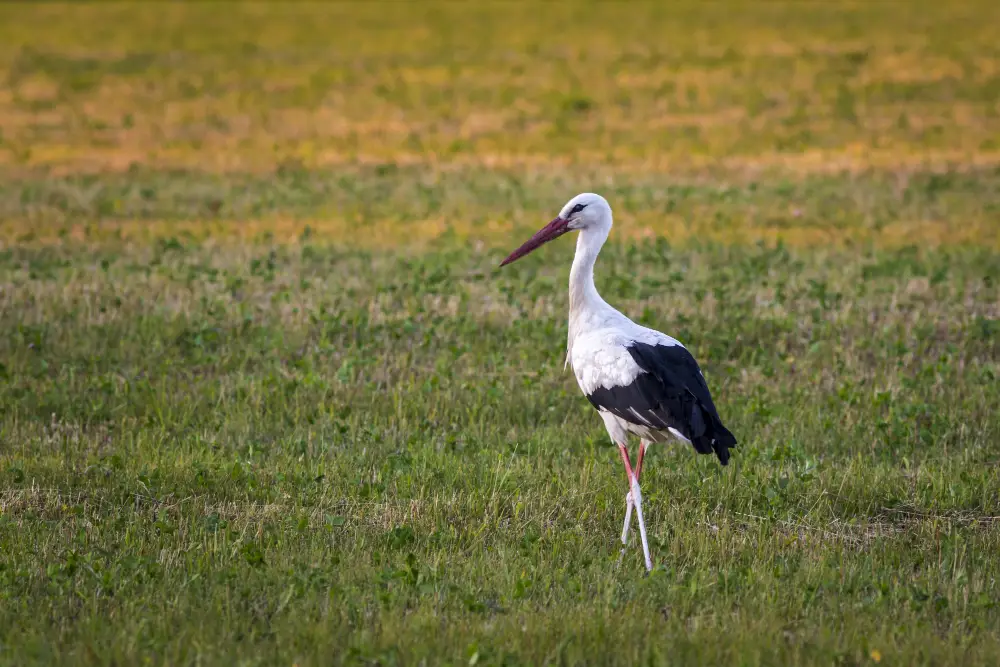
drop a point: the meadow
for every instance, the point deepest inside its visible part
(266, 399)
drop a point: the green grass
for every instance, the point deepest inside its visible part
(266, 399)
(414, 207)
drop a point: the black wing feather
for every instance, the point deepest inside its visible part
(671, 393)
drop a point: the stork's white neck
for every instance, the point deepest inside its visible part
(587, 310)
(582, 291)
(583, 294)
(586, 306)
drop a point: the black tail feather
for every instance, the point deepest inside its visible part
(679, 396)
(714, 437)
(722, 442)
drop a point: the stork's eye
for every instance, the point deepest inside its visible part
(578, 208)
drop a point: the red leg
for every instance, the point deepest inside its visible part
(638, 461)
(628, 464)
(634, 498)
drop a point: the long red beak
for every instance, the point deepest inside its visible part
(553, 230)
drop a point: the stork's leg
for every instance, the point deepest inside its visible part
(628, 519)
(643, 446)
(637, 499)
(636, 495)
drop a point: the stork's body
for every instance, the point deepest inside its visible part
(641, 381)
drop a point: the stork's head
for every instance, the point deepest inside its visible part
(584, 211)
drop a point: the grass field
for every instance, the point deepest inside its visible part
(265, 398)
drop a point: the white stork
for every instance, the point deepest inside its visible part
(641, 381)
